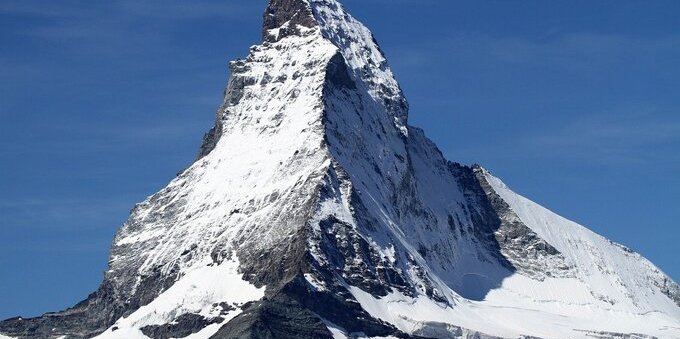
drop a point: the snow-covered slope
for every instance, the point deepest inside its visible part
(213, 292)
(315, 211)
(609, 291)
(614, 275)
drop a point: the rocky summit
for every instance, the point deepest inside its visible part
(314, 210)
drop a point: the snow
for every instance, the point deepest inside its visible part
(270, 157)
(318, 285)
(611, 291)
(195, 293)
(364, 57)
(606, 268)
(510, 316)
(336, 332)
(5, 337)
(286, 134)
(339, 333)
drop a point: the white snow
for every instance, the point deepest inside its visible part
(364, 58)
(196, 293)
(623, 276)
(318, 286)
(336, 332)
(511, 316)
(281, 141)
(339, 333)
(253, 189)
(611, 291)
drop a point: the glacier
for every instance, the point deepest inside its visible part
(314, 210)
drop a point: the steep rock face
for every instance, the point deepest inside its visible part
(314, 211)
(532, 255)
(284, 18)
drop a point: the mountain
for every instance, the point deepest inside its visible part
(313, 210)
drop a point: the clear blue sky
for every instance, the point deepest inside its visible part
(573, 103)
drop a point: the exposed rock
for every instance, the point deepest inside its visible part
(183, 326)
(278, 317)
(282, 18)
(528, 253)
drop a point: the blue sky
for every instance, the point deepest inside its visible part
(573, 103)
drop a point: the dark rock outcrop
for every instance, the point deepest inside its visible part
(285, 16)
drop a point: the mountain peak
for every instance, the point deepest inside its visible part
(315, 211)
(282, 17)
(359, 49)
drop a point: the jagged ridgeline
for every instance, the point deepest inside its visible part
(315, 211)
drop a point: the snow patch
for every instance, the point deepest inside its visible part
(318, 285)
(510, 317)
(196, 293)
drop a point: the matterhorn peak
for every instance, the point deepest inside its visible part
(315, 211)
(283, 17)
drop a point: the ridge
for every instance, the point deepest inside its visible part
(359, 54)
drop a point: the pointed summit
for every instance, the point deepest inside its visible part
(303, 29)
(282, 18)
(356, 43)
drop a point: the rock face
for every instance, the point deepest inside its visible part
(314, 210)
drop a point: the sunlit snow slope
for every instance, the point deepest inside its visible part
(609, 292)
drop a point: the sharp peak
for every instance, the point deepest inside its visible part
(287, 16)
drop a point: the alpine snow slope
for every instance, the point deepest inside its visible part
(315, 211)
